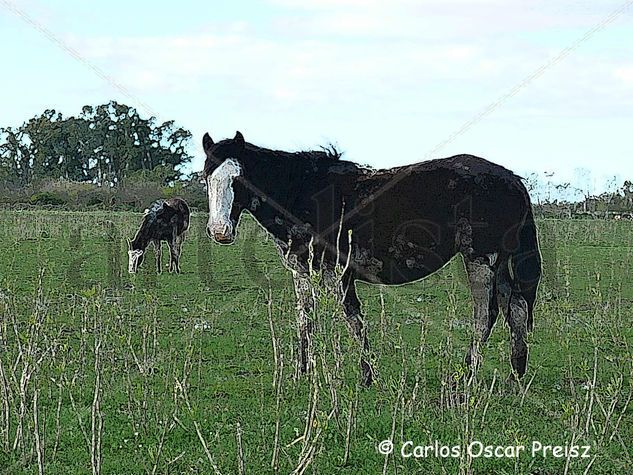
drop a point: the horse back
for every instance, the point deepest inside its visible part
(413, 220)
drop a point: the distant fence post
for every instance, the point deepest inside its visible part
(113, 254)
(252, 238)
(204, 254)
(73, 277)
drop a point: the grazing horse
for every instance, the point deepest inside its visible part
(387, 227)
(164, 220)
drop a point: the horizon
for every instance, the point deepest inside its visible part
(537, 88)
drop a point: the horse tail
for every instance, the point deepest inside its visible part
(526, 264)
(184, 211)
(185, 224)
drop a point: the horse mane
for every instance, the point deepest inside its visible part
(150, 214)
(327, 152)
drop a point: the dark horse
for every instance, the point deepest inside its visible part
(385, 226)
(164, 220)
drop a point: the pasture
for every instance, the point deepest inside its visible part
(104, 372)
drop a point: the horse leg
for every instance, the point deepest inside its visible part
(305, 325)
(157, 250)
(481, 278)
(172, 255)
(175, 255)
(178, 250)
(353, 317)
(515, 310)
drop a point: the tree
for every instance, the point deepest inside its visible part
(15, 157)
(101, 145)
(627, 192)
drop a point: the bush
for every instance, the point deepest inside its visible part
(128, 196)
(95, 197)
(136, 196)
(47, 198)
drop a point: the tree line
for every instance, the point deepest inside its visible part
(110, 156)
(578, 199)
(102, 145)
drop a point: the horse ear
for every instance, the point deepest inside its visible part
(239, 139)
(207, 142)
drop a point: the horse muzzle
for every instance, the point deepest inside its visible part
(222, 234)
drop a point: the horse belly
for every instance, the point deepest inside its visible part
(399, 264)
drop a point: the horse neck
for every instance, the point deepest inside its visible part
(141, 240)
(277, 185)
(277, 179)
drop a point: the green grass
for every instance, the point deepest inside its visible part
(156, 359)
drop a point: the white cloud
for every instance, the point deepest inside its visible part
(624, 74)
(400, 64)
(323, 70)
(447, 19)
(313, 68)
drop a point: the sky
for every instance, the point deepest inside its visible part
(536, 86)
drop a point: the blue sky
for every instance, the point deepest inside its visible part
(386, 81)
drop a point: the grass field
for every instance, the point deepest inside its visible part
(104, 372)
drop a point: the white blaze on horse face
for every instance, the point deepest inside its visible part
(221, 196)
(134, 256)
